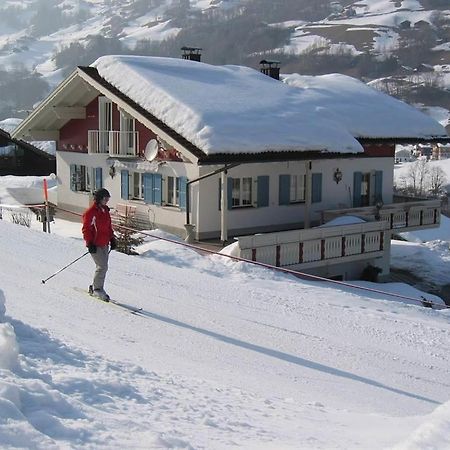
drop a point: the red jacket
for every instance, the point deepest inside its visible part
(97, 228)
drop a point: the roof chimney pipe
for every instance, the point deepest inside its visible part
(191, 53)
(270, 68)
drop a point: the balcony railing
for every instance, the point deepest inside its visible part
(114, 143)
(407, 216)
(315, 247)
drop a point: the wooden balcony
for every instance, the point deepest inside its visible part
(407, 216)
(316, 247)
(115, 143)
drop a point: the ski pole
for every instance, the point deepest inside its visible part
(65, 267)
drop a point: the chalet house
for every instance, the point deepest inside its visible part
(225, 151)
(18, 157)
(441, 151)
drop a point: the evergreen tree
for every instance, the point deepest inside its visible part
(127, 238)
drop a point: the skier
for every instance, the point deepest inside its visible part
(99, 237)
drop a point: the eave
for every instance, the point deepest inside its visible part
(91, 76)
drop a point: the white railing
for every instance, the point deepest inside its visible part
(114, 143)
(407, 216)
(315, 246)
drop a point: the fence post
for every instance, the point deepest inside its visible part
(47, 209)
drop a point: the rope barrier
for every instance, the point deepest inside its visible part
(278, 269)
(21, 206)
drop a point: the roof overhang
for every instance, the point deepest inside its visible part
(406, 140)
(68, 101)
(92, 77)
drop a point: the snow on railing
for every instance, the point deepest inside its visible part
(316, 245)
(407, 216)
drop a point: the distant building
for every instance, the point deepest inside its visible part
(425, 150)
(441, 151)
(404, 153)
(18, 157)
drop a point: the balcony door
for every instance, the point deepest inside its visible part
(105, 125)
(367, 188)
(127, 134)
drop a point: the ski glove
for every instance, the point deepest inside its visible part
(113, 243)
(92, 248)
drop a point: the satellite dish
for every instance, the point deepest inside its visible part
(151, 150)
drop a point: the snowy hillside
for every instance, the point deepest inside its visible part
(223, 355)
(371, 39)
(80, 20)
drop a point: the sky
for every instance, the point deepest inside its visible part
(224, 354)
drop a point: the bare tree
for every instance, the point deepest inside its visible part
(437, 180)
(417, 174)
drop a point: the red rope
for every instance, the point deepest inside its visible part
(279, 269)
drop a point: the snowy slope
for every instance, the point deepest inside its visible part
(224, 355)
(376, 23)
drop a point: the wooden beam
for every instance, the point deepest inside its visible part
(43, 135)
(70, 112)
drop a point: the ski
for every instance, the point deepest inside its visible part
(130, 308)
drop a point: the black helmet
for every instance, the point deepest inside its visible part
(100, 194)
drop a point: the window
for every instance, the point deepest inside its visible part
(173, 191)
(105, 125)
(127, 134)
(97, 179)
(241, 194)
(292, 188)
(137, 186)
(79, 178)
(367, 188)
(297, 189)
(105, 114)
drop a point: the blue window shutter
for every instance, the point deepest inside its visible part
(263, 191)
(357, 180)
(73, 184)
(230, 193)
(183, 181)
(284, 189)
(316, 192)
(147, 181)
(157, 189)
(379, 186)
(98, 178)
(124, 184)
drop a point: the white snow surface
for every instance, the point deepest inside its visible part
(225, 109)
(9, 125)
(224, 355)
(361, 109)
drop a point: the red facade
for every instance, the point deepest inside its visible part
(379, 150)
(74, 135)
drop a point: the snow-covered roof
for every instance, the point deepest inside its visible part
(9, 125)
(362, 110)
(225, 109)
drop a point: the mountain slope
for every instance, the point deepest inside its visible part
(405, 44)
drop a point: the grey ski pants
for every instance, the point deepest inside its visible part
(101, 262)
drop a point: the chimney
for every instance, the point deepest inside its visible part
(270, 68)
(191, 53)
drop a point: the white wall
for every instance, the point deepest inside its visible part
(172, 218)
(79, 201)
(205, 214)
(334, 196)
